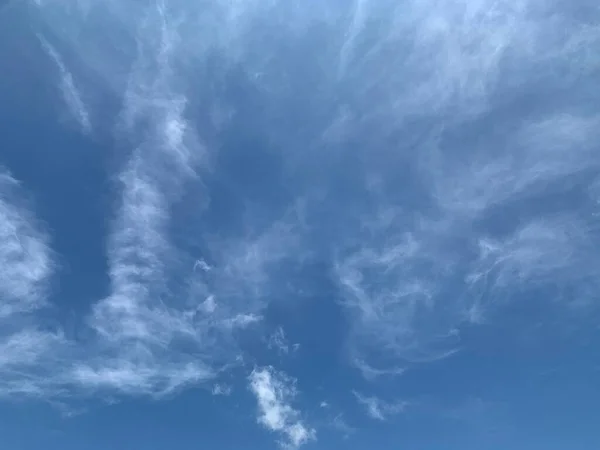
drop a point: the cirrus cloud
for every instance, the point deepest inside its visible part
(434, 192)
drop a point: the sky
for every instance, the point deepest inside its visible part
(285, 224)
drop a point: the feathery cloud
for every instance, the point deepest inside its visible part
(70, 93)
(371, 373)
(425, 92)
(278, 341)
(274, 392)
(494, 219)
(378, 409)
(140, 335)
(27, 352)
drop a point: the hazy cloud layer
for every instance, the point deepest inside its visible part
(437, 161)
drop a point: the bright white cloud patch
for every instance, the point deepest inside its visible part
(274, 393)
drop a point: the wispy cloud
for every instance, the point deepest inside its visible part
(24, 252)
(371, 373)
(27, 353)
(502, 209)
(221, 389)
(414, 280)
(379, 409)
(336, 420)
(70, 93)
(142, 328)
(431, 96)
(274, 393)
(277, 341)
(140, 333)
(240, 284)
(393, 299)
(339, 424)
(448, 55)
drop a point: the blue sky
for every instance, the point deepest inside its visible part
(268, 224)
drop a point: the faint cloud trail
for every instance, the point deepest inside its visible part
(70, 93)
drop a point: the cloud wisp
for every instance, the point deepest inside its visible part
(417, 277)
(136, 325)
(70, 92)
(435, 193)
(504, 208)
(372, 373)
(171, 317)
(28, 352)
(25, 253)
(379, 409)
(274, 393)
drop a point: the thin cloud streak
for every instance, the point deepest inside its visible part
(371, 373)
(70, 93)
(378, 409)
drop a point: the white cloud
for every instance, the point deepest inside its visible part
(70, 93)
(533, 156)
(240, 283)
(209, 305)
(335, 420)
(378, 409)
(131, 374)
(151, 338)
(25, 255)
(278, 341)
(339, 424)
(408, 279)
(24, 348)
(142, 327)
(247, 263)
(221, 389)
(28, 355)
(391, 290)
(141, 333)
(274, 392)
(241, 321)
(553, 253)
(410, 276)
(371, 373)
(412, 281)
(447, 56)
